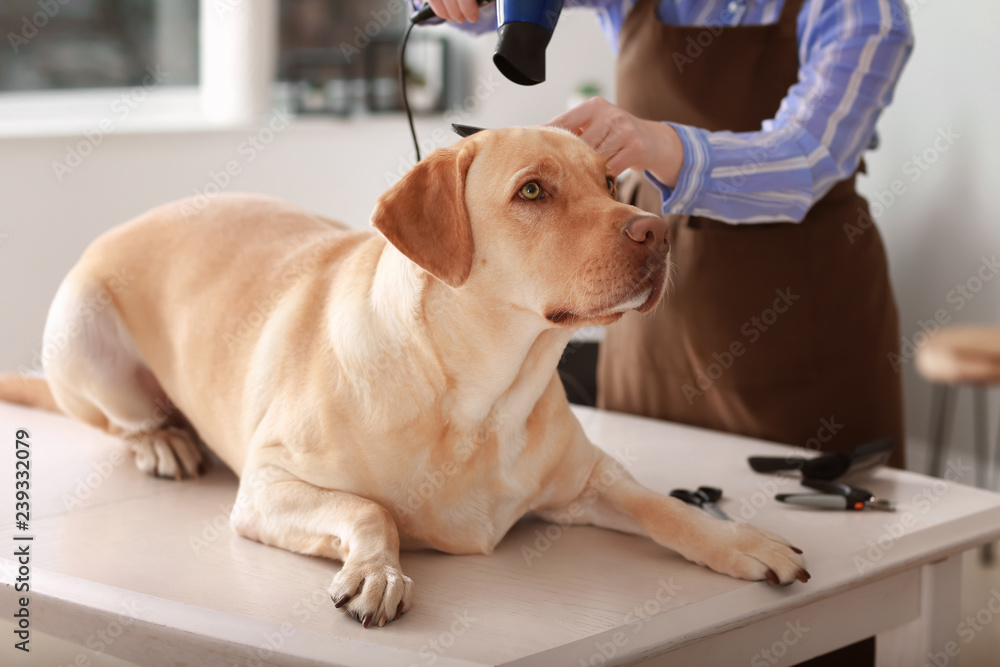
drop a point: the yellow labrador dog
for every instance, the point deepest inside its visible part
(336, 371)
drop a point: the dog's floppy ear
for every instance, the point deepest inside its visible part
(425, 217)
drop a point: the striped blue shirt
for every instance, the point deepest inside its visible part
(851, 53)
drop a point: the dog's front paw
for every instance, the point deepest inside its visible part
(745, 552)
(372, 590)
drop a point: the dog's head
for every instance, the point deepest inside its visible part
(529, 214)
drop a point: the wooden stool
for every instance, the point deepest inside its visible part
(952, 357)
(960, 356)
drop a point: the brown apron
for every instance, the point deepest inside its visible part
(778, 331)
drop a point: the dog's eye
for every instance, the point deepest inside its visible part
(611, 184)
(531, 191)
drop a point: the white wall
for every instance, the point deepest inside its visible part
(948, 217)
(936, 231)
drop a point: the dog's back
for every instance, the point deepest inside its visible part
(184, 291)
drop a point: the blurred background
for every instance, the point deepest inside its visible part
(110, 107)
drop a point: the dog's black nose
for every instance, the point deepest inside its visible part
(649, 230)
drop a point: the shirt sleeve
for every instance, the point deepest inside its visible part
(852, 52)
(610, 14)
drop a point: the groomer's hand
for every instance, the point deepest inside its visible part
(624, 140)
(456, 10)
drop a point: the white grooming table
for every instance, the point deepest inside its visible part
(154, 563)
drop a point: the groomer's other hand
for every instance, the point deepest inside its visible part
(456, 10)
(624, 140)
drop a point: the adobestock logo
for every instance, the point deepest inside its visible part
(753, 329)
(790, 637)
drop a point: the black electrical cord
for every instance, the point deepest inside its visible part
(425, 13)
(402, 88)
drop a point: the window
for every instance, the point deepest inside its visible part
(66, 65)
(65, 44)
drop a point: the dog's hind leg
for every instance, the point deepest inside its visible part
(96, 374)
(278, 509)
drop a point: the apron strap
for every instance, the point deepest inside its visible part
(789, 18)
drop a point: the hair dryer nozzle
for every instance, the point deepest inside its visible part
(520, 53)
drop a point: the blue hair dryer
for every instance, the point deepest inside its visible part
(524, 28)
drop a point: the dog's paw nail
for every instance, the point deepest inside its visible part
(796, 549)
(772, 577)
(367, 620)
(382, 619)
(341, 602)
(803, 576)
(399, 609)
